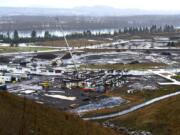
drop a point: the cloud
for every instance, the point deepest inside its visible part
(141, 4)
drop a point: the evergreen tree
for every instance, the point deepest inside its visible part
(15, 38)
(33, 34)
(16, 35)
(47, 35)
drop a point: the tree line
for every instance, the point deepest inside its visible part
(15, 38)
(152, 29)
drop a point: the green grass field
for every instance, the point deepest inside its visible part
(22, 49)
(177, 77)
(139, 66)
(72, 42)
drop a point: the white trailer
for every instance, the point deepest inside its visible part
(4, 79)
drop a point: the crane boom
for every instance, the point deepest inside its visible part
(67, 44)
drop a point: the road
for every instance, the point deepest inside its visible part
(134, 108)
(32, 52)
(168, 76)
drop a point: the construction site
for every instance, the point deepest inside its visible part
(89, 67)
(78, 79)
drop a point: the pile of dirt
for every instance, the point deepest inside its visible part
(4, 59)
(66, 56)
(47, 56)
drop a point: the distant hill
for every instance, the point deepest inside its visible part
(79, 23)
(41, 120)
(82, 18)
(86, 11)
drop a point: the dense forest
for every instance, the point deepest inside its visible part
(16, 39)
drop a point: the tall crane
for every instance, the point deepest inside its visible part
(67, 44)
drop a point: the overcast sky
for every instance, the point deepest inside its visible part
(123, 4)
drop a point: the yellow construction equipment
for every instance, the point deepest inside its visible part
(45, 84)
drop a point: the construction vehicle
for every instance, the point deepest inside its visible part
(45, 84)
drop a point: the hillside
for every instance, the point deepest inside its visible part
(83, 11)
(161, 118)
(26, 23)
(39, 119)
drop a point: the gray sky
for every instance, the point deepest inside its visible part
(140, 4)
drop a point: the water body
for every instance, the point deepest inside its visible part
(103, 103)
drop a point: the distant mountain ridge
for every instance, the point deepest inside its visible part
(82, 11)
